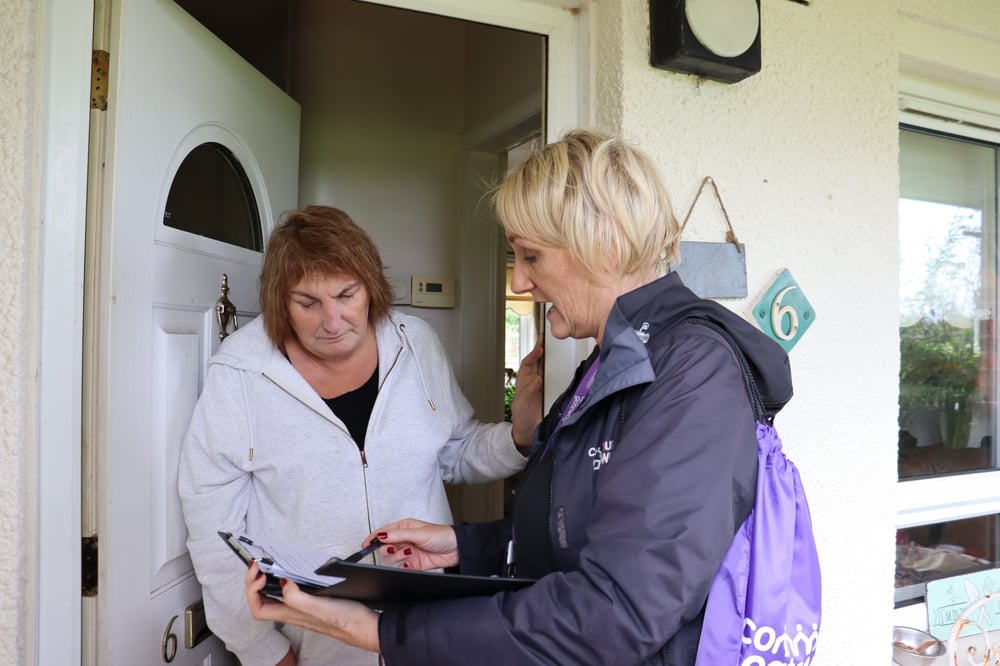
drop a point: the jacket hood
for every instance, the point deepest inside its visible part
(666, 302)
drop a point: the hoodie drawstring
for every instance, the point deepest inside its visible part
(416, 362)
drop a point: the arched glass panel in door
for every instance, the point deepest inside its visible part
(211, 196)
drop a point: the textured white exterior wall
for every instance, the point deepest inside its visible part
(18, 165)
(805, 157)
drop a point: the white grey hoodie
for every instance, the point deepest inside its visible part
(266, 456)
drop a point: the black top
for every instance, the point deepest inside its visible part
(354, 408)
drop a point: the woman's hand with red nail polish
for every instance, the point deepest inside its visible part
(417, 545)
(347, 621)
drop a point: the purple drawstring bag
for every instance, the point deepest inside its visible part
(764, 605)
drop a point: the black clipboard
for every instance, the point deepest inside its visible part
(380, 586)
(383, 586)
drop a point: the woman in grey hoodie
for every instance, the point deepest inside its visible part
(325, 417)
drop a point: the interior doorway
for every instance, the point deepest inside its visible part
(407, 118)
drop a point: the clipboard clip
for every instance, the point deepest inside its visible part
(264, 557)
(239, 546)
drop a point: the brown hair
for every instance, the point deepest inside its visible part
(318, 240)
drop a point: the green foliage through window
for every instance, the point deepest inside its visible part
(938, 365)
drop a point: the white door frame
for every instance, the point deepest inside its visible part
(54, 558)
(54, 554)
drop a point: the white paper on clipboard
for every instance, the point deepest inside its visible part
(283, 560)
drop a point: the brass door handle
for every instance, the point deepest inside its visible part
(225, 311)
(195, 625)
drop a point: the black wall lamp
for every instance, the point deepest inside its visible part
(717, 39)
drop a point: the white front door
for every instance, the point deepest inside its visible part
(201, 156)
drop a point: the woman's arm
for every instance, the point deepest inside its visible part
(350, 622)
(476, 452)
(526, 409)
(411, 543)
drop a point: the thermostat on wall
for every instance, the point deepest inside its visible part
(428, 291)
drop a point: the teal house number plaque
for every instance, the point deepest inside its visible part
(784, 313)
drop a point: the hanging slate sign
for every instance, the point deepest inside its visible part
(713, 270)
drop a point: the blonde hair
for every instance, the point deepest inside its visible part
(598, 197)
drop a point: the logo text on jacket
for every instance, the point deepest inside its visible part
(601, 454)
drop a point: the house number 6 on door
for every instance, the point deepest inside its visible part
(784, 313)
(168, 647)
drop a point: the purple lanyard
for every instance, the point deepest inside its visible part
(582, 389)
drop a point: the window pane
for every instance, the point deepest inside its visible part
(211, 196)
(947, 235)
(929, 552)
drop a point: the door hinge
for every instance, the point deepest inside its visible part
(88, 566)
(99, 80)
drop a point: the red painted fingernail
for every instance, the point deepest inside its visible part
(390, 550)
(382, 535)
(406, 565)
(407, 551)
(282, 581)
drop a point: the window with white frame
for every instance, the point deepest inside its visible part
(949, 482)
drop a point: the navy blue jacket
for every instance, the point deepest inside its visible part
(653, 474)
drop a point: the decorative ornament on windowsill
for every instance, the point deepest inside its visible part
(990, 655)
